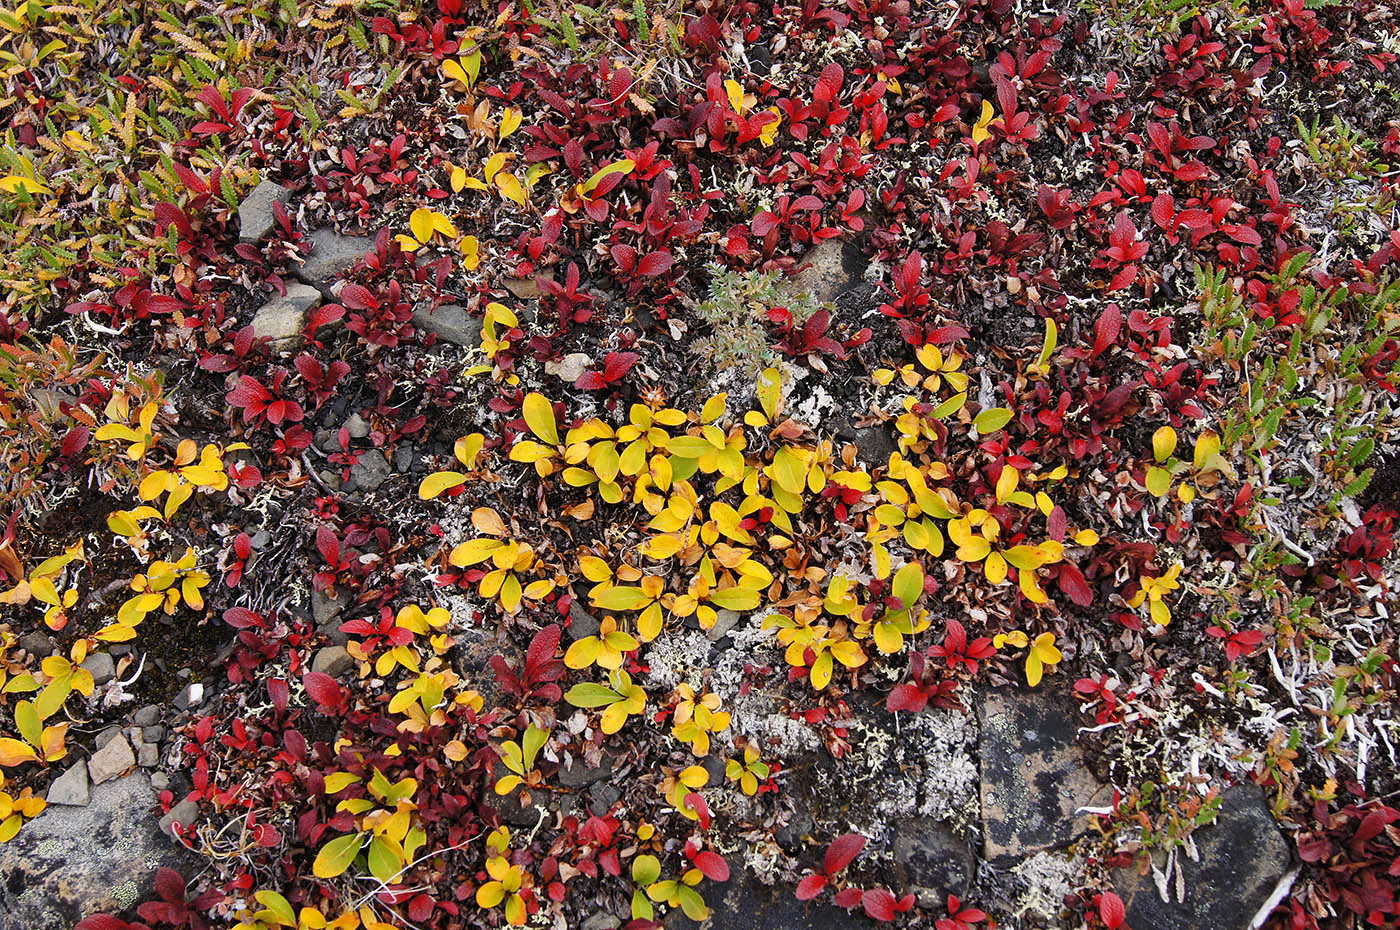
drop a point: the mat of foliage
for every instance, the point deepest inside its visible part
(1101, 399)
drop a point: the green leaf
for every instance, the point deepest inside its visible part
(645, 870)
(1159, 481)
(277, 906)
(27, 719)
(383, 859)
(533, 740)
(991, 420)
(689, 447)
(335, 857)
(591, 694)
(908, 584)
(950, 406)
(789, 471)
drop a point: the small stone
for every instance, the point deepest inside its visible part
(603, 800)
(255, 217)
(579, 774)
(325, 608)
(101, 666)
(403, 459)
(370, 470)
(450, 323)
(333, 661)
(260, 539)
(160, 781)
(931, 861)
(153, 735)
(356, 426)
(725, 621)
(600, 921)
(569, 368)
(147, 716)
(1034, 777)
(149, 756)
(523, 288)
(331, 479)
(582, 624)
(192, 695)
(331, 256)
(793, 835)
(183, 813)
(111, 760)
(715, 764)
(833, 267)
(282, 318)
(106, 735)
(37, 643)
(70, 788)
(1242, 858)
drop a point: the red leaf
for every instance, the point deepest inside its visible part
(946, 334)
(1106, 330)
(328, 544)
(654, 264)
(848, 897)
(713, 865)
(357, 297)
(75, 441)
(1163, 210)
(170, 885)
(842, 850)
(1072, 583)
(906, 697)
(322, 689)
(101, 922)
(241, 618)
(810, 887)
(829, 84)
(1111, 910)
(542, 648)
(879, 904)
(618, 364)
(420, 908)
(590, 381)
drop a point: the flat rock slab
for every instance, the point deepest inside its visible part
(745, 903)
(70, 862)
(282, 318)
(1242, 858)
(931, 861)
(331, 256)
(450, 323)
(71, 788)
(832, 268)
(255, 216)
(1033, 774)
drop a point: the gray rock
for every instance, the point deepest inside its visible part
(149, 756)
(282, 318)
(601, 921)
(191, 695)
(475, 648)
(370, 470)
(793, 835)
(745, 903)
(37, 643)
(510, 808)
(356, 426)
(325, 609)
(331, 256)
(1034, 776)
(255, 217)
(725, 620)
(579, 774)
(523, 288)
(183, 813)
(160, 781)
(147, 716)
(931, 861)
(582, 624)
(403, 459)
(70, 862)
(604, 797)
(333, 661)
(1242, 858)
(450, 323)
(71, 788)
(568, 368)
(832, 267)
(153, 734)
(873, 443)
(105, 736)
(102, 667)
(111, 760)
(48, 402)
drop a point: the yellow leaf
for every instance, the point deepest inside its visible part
(510, 122)
(1163, 443)
(438, 482)
(980, 131)
(539, 416)
(421, 222)
(510, 188)
(13, 752)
